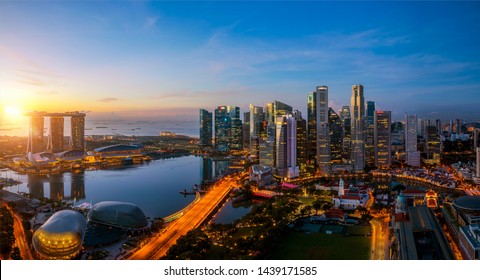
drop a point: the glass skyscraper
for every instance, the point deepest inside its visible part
(205, 128)
(357, 106)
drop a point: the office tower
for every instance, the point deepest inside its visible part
(205, 128)
(478, 162)
(346, 134)
(438, 124)
(35, 135)
(382, 139)
(228, 129)
(286, 146)
(369, 148)
(450, 129)
(411, 149)
(246, 130)
(281, 109)
(336, 137)
(267, 153)
(269, 115)
(55, 137)
(433, 144)
(459, 127)
(77, 138)
(301, 141)
(476, 138)
(318, 133)
(312, 131)
(256, 118)
(357, 106)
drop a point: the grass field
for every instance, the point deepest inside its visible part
(318, 246)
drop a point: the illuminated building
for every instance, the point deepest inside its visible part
(281, 109)
(55, 137)
(336, 137)
(369, 143)
(346, 134)
(246, 130)
(318, 132)
(411, 150)
(286, 146)
(205, 128)
(478, 163)
(476, 138)
(77, 138)
(61, 237)
(433, 145)
(357, 107)
(301, 141)
(35, 135)
(228, 129)
(382, 139)
(256, 119)
(267, 153)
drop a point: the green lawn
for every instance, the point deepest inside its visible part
(318, 246)
(306, 200)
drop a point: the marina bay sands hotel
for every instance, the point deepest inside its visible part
(55, 142)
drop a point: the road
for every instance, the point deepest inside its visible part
(20, 239)
(380, 239)
(158, 246)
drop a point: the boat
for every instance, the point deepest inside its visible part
(184, 192)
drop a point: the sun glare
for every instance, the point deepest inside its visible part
(13, 112)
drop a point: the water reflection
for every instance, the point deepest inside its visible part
(77, 186)
(57, 188)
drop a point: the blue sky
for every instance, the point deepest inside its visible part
(146, 60)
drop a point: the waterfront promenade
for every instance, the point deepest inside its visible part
(158, 246)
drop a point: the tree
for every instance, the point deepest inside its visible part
(15, 255)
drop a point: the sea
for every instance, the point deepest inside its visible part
(111, 127)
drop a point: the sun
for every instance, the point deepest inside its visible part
(12, 112)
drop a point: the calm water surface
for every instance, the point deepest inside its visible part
(153, 186)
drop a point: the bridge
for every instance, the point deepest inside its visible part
(158, 246)
(180, 213)
(265, 193)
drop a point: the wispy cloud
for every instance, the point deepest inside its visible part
(150, 22)
(108, 99)
(46, 92)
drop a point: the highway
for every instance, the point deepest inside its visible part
(158, 246)
(380, 239)
(20, 239)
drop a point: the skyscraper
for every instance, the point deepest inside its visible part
(77, 138)
(369, 147)
(478, 163)
(357, 105)
(55, 137)
(346, 134)
(256, 119)
(286, 146)
(35, 135)
(228, 129)
(246, 130)
(476, 138)
(433, 144)
(382, 139)
(205, 128)
(336, 136)
(318, 133)
(301, 141)
(281, 109)
(411, 149)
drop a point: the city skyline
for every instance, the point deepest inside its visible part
(138, 60)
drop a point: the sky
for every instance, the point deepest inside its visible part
(165, 60)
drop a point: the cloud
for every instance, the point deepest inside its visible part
(32, 82)
(150, 22)
(108, 99)
(46, 92)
